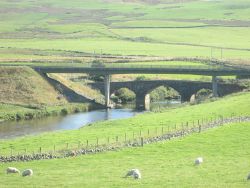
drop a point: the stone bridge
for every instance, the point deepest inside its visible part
(185, 88)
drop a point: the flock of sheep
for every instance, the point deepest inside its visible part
(135, 173)
(12, 170)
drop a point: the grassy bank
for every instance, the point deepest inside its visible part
(10, 112)
(168, 164)
(237, 104)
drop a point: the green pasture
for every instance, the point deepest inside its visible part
(122, 47)
(192, 28)
(166, 164)
(139, 125)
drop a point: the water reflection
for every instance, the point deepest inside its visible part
(10, 130)
(75, 121)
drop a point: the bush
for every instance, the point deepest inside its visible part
(125, 95)
(140, 78)
(162, 93)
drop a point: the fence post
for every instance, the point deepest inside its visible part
(97, 142)
(162, 130)
(148, 132)
(116, 138)
(87, 143)
(40, 150)
(199, 128)
(108, 140)
(142, 143)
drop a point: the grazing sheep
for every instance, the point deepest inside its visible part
(12, 170)
(27, 172)
(135, 173)
(198, 161)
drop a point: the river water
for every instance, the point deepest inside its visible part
(9, 130)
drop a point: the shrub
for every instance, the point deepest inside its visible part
(125, 95)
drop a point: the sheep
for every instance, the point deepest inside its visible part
(198, 161)
(12, 170)
(27, 172)
(135, 173)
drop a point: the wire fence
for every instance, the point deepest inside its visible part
(111, 143)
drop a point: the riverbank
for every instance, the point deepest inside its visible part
(10, 112)
(169, 119)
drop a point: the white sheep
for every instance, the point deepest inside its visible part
(198, 161)
(135, 173)
(27, 172)
(12, 170)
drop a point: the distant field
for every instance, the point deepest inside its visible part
(217, 29)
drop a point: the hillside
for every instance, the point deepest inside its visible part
(24, 86)
(191, 28)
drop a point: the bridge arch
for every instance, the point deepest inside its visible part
(185, 88)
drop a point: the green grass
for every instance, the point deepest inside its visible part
(10, 112)
(235, 104)
(91, 26)
(167, 164)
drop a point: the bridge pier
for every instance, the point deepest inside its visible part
(215, 86)
(107, 80)
(142, 101)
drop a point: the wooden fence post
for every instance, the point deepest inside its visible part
(142, 143)
(40, 150)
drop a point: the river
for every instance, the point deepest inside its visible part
(9, 130)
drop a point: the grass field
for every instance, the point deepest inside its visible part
(61, 30)
(217, 29)
(168, 164)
